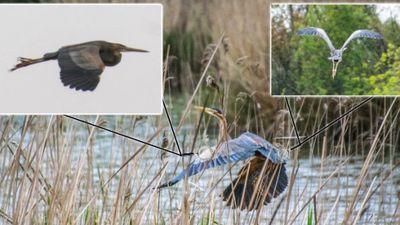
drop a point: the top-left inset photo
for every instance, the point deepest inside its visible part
(81, 59)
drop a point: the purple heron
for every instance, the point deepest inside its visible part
(82, 64)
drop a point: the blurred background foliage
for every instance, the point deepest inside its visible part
(300, 65)
(24, 1)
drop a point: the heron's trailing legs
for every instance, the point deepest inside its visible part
(26, 62)
(334, 68)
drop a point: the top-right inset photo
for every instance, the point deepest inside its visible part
(335, 49)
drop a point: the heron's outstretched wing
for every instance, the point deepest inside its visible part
(254, 187)
(315, 31)
(361, 34)
(81, 66)
(240, 148)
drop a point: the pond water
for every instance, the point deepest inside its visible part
(110, 151)
(332, 201)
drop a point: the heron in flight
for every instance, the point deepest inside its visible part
(260, 180)
(336, 54)
(82, 64)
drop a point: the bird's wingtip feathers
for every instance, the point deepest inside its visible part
(164, 185)
(308, 31)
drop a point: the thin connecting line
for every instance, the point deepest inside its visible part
(172, 128)
(126, 136)
(294, 124)
(331, 123)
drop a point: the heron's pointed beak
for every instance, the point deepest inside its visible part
(128, 49)
(207, 110)
(201, 109)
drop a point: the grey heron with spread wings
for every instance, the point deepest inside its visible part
(336, 54)
(260, 180)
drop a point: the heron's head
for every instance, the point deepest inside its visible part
(123, 48)
(336, 55)
(217, 113)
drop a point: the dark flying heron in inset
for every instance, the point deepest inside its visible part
(261, 179)
(336, 54)
(82, 64)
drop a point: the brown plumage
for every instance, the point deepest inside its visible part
(256, 184)
(82, 64)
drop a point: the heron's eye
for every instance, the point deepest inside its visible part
(218, 110)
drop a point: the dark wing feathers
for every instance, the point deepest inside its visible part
(81, 66)
(247, 191)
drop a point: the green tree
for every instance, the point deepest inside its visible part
(388, 81)
(309, 69)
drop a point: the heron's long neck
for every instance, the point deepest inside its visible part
(223, 131)
(110, 58)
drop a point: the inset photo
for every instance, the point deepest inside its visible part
(81, 58)
(335, 49)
